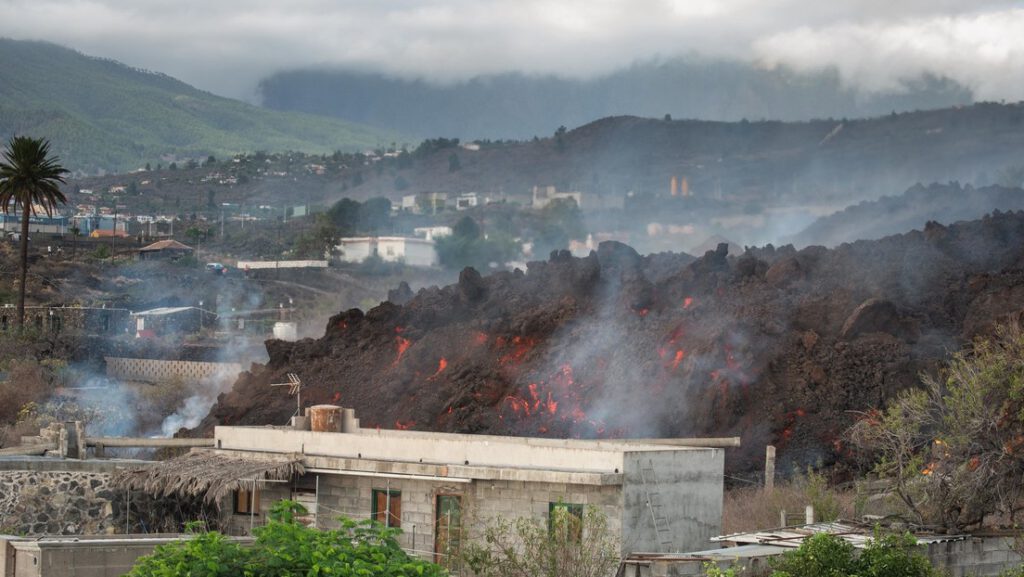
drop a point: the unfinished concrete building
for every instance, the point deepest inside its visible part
(657, 497)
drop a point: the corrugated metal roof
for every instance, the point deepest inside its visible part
(165, 245)
(162, 311)
(857, 534)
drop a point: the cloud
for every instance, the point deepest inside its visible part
(228, 45)
(983, 51)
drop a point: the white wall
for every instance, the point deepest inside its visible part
(355, 249)
(420, 254)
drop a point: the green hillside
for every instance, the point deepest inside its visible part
(101, 114)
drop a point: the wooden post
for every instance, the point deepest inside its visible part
(809, 514)
(769, 469)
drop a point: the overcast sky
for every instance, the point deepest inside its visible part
(226, 46)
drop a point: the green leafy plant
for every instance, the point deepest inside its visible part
(285, 548)
(712, 570)
(825, 555)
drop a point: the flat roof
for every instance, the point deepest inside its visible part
(385, 451)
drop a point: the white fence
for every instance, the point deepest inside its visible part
(275, 264)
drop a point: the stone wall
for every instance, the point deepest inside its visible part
(37, 502)
(59, 503)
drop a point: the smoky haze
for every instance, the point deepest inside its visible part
(227, 47)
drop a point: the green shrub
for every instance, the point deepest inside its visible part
(825, 555)
(284, 548)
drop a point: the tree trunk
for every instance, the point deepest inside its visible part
(24, 263)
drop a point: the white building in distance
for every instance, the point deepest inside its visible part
(411, 251)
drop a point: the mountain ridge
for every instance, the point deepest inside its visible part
(102, 115)
(518, 106)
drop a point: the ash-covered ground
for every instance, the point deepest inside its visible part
(775, 345)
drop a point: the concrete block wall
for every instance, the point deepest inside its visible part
(159, 371)
(509, 500)
(979, 556)
(483, 502)
(686, 488)
(352, 497)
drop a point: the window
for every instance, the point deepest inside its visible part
(387, 507)
(247, 502)
(573, 520)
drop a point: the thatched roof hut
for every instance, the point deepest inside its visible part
(208, 475)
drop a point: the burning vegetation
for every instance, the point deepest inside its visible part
(774, 345)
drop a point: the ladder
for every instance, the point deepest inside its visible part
(661, 527)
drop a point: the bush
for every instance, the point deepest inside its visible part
(572, 545)
(954, 451)
(284, 548)
(825, 555)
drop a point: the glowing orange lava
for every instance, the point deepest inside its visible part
(687, 302)
(441, 366)
(678, 359)
(402, 344)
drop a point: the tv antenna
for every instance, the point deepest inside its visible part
(295, 387)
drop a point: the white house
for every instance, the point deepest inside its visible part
(425, 202)
(411, 251)
(432, 232)
(466, 201)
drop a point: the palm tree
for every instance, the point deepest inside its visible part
(29, 178)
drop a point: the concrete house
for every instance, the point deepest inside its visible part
(441, 488)
(411, 251)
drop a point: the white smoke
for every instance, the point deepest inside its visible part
(198, 405)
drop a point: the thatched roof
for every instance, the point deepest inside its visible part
(208, 475)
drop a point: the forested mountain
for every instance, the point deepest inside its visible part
(103, 115)
(520, 106)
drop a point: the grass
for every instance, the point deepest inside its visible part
(751, 509)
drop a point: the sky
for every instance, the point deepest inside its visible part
(227, 46)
